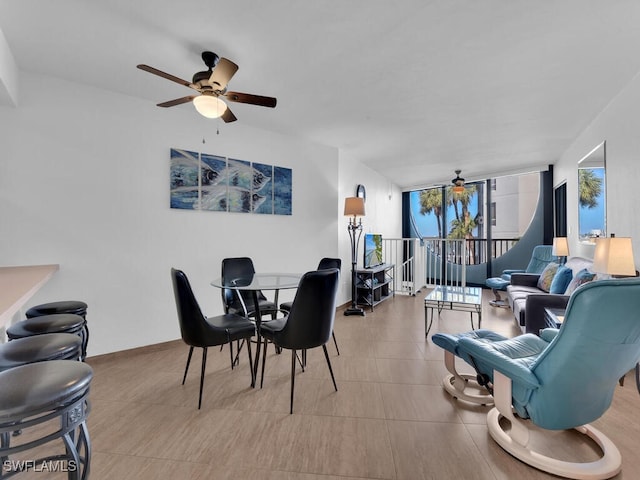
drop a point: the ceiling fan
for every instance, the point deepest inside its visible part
(212, 86)
(458, 183)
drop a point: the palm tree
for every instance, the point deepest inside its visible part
(463, 225)
(590, 188)
(431, 202)
(462, 228)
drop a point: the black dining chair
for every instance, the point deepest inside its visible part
(325, 264)
(200, 331)
(242, 302)
(309, 323)
(238, 301)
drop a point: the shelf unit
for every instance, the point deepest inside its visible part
(375, 284)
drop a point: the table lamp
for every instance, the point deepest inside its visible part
(614, 256)
(560, 248)
(354, 208)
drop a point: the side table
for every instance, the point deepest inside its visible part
(553, 317)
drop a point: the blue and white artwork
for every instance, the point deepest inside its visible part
(282, 190)
(240, 178)
(262, 190)
(201, 181)
(214, 178)
(240, 174)
(184, 179)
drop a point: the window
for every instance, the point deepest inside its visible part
(493, 209)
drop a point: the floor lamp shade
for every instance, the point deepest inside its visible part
(354, 206)
(614, 256)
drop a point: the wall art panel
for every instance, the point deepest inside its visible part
(282, 190)
(184, 179)
(213, 181)
(202, 181)
(240, 180)
(262, 190)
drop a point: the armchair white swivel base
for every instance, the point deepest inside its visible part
(458, 385)
(463, 386)
(516, 441)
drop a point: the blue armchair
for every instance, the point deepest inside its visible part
(540, 258)
(565, 378)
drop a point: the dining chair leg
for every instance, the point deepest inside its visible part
(293, 377)
(204, 366)
(233, 360)
(239, 344)
(333, 334)
(186, 369)
(326, 355)
(253, 374)
(264, 360)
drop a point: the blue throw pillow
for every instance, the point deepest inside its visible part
(582, 277)
(561, 280)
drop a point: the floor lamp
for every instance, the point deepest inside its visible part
(354, 208)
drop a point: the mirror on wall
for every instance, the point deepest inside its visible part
(592, 208)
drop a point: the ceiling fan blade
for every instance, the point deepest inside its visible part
(228, 116)
(222, 73)
(168, 76)
(252, 99)
(177, 101)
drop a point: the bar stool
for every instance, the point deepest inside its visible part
(40, 348)
(55, 393)
(74, 307)
(58, 323)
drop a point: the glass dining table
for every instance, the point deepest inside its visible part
(256, 283)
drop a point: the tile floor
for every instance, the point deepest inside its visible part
(390, 418)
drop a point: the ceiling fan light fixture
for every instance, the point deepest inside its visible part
(209, 106)
(458, 183)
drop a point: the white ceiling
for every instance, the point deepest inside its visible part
(413, 88)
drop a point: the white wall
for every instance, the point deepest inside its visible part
(8, 74)
(84, 182)
(383, 209)
(619, 125)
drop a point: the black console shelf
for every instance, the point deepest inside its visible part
(375, 284)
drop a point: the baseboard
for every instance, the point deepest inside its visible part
(344, 306)
(122, 354)
(156, 347)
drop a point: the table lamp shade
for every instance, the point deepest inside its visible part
(614, 256)
(560, 247)
(354, 206)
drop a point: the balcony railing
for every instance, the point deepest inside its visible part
(433, 261)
